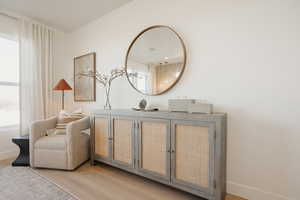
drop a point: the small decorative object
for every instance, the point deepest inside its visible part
(105, 80)
(62, 85)
(85, 89)
(142, 107)
(143, 104)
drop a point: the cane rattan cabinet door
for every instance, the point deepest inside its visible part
(193, 154)
(183, 150)
(123, 141)
(154, 148)
(102, 138)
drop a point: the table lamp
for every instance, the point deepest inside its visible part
(62, 85)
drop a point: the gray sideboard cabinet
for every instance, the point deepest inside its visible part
(182, 150)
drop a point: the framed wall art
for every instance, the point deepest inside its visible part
(84, 87)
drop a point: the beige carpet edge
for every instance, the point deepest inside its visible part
(54, 183)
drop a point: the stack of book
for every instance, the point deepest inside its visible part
(63, 121)
(180, 105)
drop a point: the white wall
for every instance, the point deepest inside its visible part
(243, 56)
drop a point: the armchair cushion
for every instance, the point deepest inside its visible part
(55, 131)
(54, 142)
(60, 132)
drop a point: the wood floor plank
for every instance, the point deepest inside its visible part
(102, 182)
(233, 197)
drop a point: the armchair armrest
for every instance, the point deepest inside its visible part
(77, 126)
(37, 130)
(74, 136)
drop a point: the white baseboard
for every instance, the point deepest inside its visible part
(252, 193)
(8, 154)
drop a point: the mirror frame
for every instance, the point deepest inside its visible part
(184, 59)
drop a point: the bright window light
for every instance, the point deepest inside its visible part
(9, 83)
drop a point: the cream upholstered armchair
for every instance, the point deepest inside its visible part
(59, 151)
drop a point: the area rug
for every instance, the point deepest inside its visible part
(21, 183)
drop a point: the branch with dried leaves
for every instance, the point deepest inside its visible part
(103, 78)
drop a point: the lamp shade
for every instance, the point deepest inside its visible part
(62, 85)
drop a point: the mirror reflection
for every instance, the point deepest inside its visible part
(155, 60)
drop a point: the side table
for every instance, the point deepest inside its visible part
(23, 144)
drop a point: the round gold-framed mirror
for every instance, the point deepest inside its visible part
(155, 60)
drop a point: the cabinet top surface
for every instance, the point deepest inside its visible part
(159, 114)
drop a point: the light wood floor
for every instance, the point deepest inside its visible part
(102, 182)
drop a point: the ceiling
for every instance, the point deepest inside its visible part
(65, 15)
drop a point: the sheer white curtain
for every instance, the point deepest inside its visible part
(36, 73)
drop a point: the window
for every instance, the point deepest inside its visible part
(9, 82)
